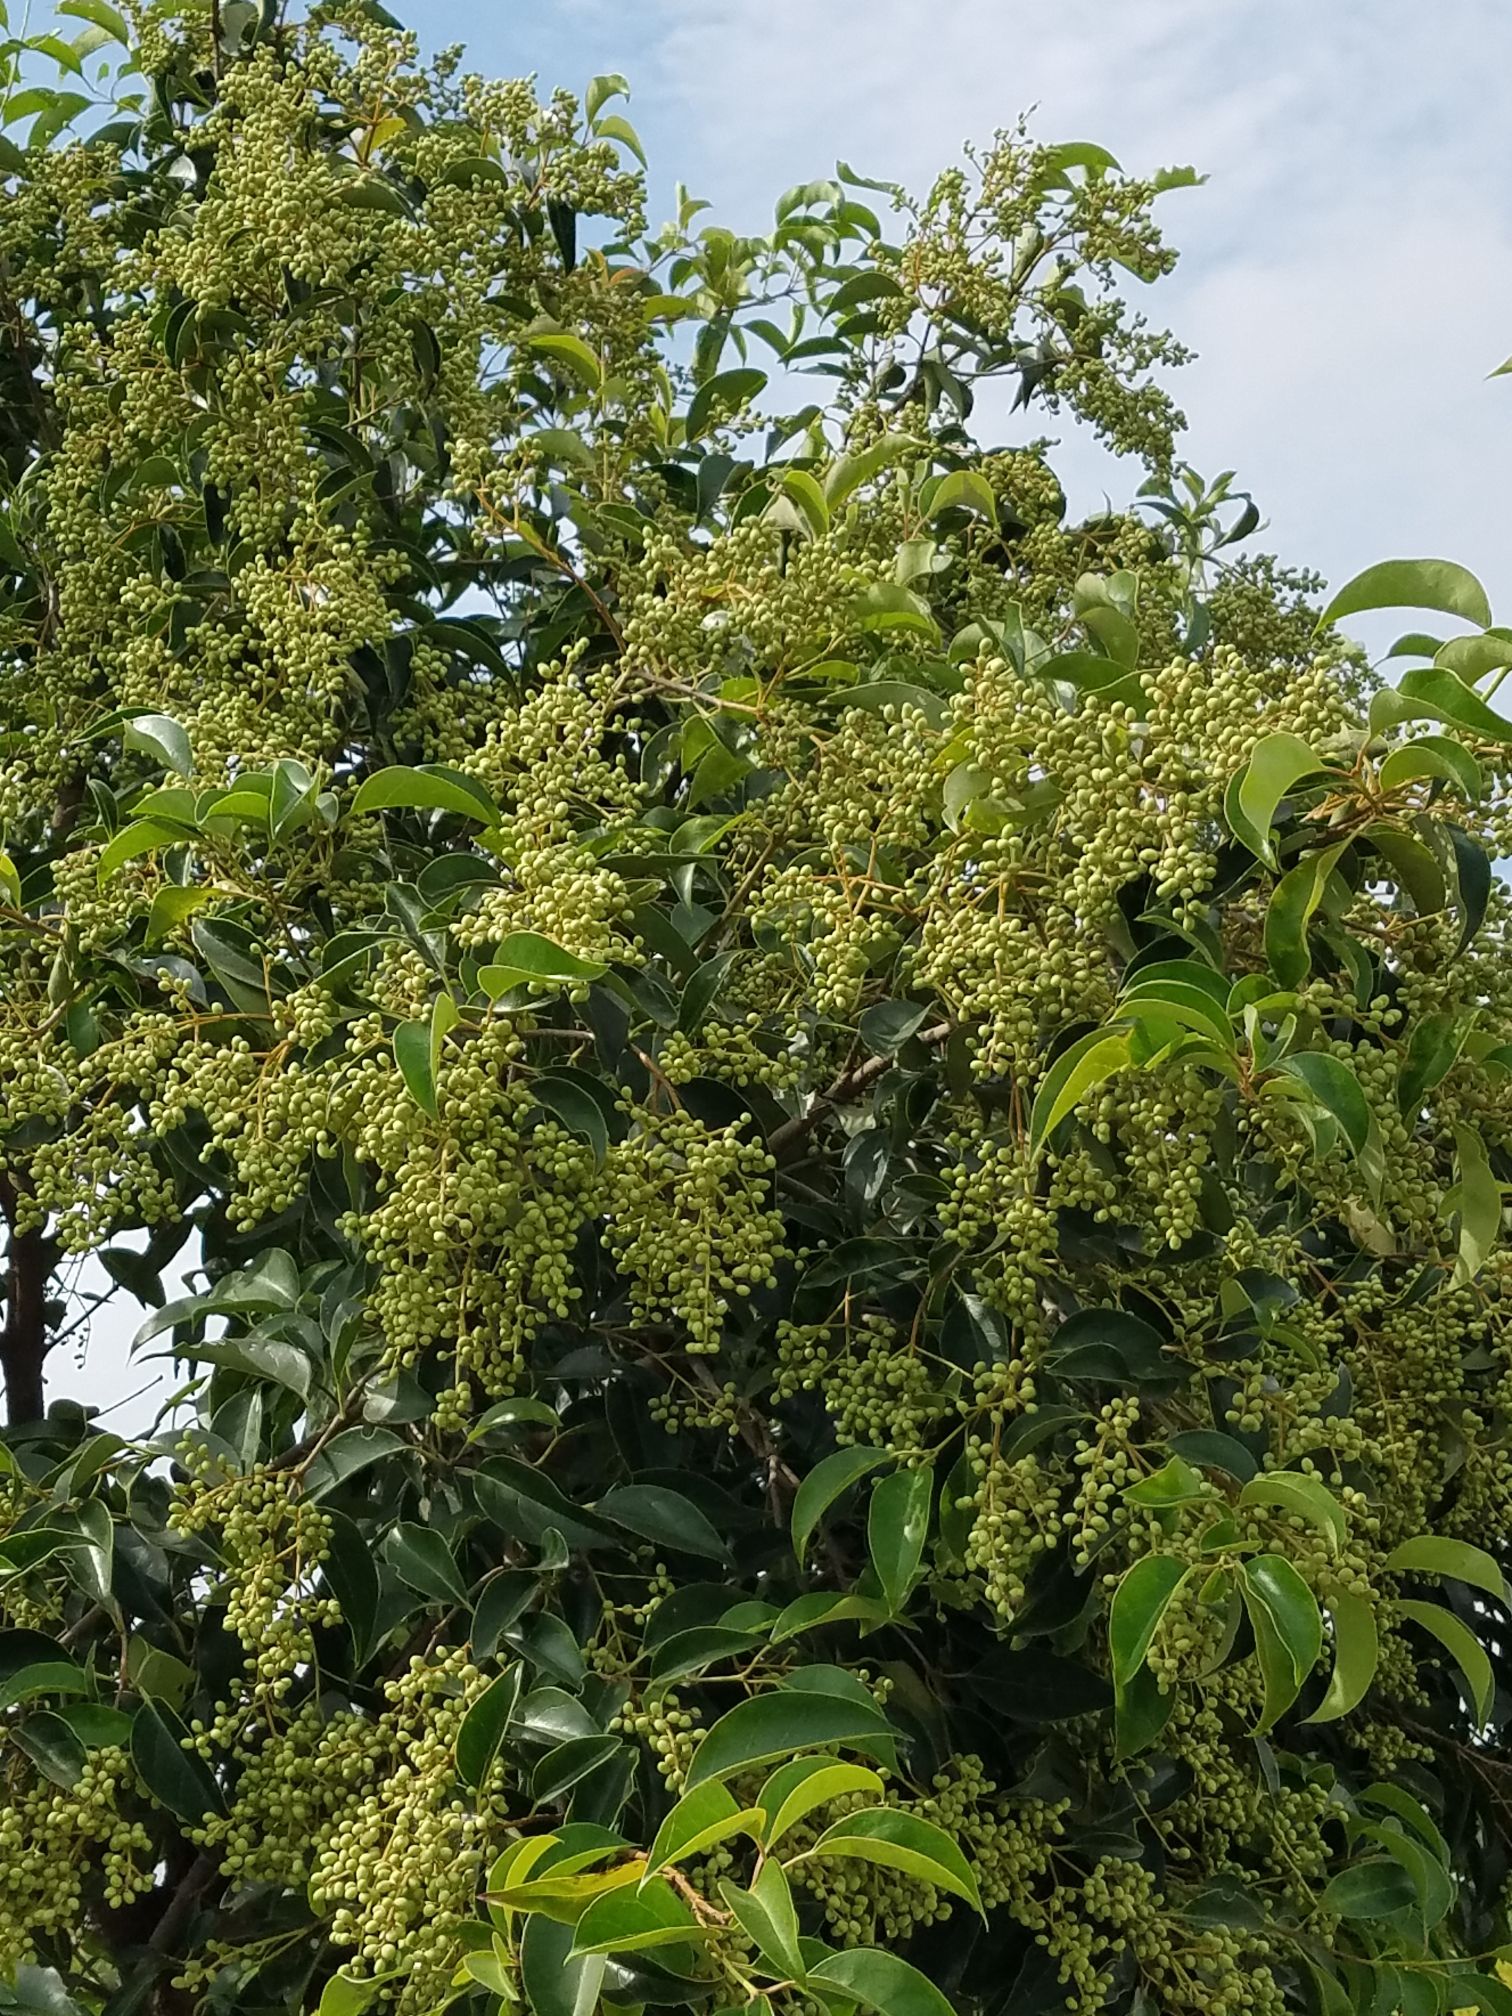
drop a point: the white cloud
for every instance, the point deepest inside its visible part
(1345, 273)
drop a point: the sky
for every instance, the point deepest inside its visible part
(1346, 269)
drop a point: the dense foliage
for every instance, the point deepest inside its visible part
(843, 1140)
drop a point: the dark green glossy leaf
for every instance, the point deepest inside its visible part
(175, 1776)
(773, 1726)
(483, 1727)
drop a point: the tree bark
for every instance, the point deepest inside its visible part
(23, 1341)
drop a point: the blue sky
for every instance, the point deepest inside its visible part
(1347, 269)
(1346, 273)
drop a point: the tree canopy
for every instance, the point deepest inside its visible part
(839, 1140)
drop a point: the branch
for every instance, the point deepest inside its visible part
(23, 1341)
(842, 1091)
(185, 1897)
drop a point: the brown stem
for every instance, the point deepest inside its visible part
(844, 1089)
(176, 1916)
(23, 1341)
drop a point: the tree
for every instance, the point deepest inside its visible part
(842, 1142)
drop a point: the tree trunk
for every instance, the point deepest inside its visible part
(23, 1342)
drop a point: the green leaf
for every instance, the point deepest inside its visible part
(1277, 1666)
(886, 1026)
(1276, 766)
(1477, 656)
(1184, 983)
(102, 15)
(797, 1788)
(522, 1501)
(634, 1921)
(412, 1053)
(616, 128)
(963, 489)
(1478, 1197)
(1434, 693)
(1174, 1483)
(576, 1108)
(22, 1551)
(1334, 1087)
(53, 1747)
(570, 1880)
(1271, 1581)
(1373, 1889)
(703, 1645)
(766, 1915)
(369, 191)
(569, 1764)
(1139, 1603)
(92, 1553)
(1112, 1345)
(571, 353)
(1431, 1881)
(1210, 1449)
(1088, 1063)
(902, 1841)
(43, 1676)
(1462, 1645)
(142, 836)
(1433, 756)
(1290, 911)
(848, 473)
(699, 1821)
(1434, 1044)
(829, 1478)
(484, 1725)
(1472, 874)
(420, 1556)
(291, 799)
(176, 1778)
(896, 1528)
(160, 736)
(1356, 1651)
(1415, 644)
(1304, 1496)
(600, 90)
(347, 1453)
(430, 788)
(725, 392)
(1412, 867)
(352, 1577)
(563, 447)
(348, 1995)
(1141, 1710)
(1431, 1554)
(800, 504)
(518, 1411)
(821, 1607)
(170, 906)
(1412, 584)
(557, 1981)
(769, 1726)
(527, 959)
(663, 1517)
(1090, 673)
(702, 991)
(880, 1981)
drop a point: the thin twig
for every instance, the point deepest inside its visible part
(842, 1091)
